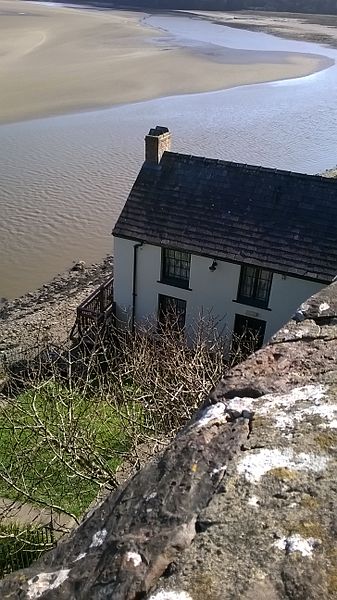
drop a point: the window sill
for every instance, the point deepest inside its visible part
(251, 303)
(176, 284)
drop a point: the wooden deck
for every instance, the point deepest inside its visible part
(95, 310)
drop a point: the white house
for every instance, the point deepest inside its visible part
(247, 244)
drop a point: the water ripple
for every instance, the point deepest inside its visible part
(64, 180)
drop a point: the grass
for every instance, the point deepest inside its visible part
(20, 546)
(59, 443)
(58, 446)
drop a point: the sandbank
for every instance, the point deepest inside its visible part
(56, 60)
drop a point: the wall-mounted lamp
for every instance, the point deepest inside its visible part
(213, 266)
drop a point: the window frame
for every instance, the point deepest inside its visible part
(253, 300)
(245, 334)
(164, 298)
(164, 268)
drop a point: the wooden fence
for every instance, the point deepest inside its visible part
(95, 309)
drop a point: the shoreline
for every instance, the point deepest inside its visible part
(98, 108)
(141, 63)
(317, 29)
(48, 313)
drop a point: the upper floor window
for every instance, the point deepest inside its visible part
(254, 286)
(175, 267)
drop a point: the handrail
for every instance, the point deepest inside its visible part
(95, 307)
(100, 299)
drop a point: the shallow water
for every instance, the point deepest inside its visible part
(65, 179)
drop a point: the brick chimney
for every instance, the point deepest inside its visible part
(157, 141)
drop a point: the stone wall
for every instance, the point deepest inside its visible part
(241, 505)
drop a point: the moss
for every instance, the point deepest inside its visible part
(332, 571)
(309, 529)
(332, 583)
(259, 421)
(310, 502)
(283, 473)
(326, 440)
(204, 587)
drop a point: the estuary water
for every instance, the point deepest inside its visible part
(64, 180)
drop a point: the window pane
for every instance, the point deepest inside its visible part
(247, 282)
(175, 265)
(171, 310)
(263, 285)
(248, 336)
(255, 285)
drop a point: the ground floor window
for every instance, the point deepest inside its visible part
(248, 336)
(171, 311)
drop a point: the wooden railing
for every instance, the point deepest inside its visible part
(95, 309)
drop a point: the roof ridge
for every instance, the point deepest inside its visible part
(250, 167)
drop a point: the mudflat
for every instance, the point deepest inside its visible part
(55, 60)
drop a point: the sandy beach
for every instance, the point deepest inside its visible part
(55, 60)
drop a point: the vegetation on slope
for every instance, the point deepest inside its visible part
(57, 445)
(63, 438)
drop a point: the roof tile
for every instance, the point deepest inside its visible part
(283, 220)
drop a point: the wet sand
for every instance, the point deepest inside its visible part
(56, 60)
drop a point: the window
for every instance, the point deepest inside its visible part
(254, 286)
(248, 336)
(175, 267)
(171, 310)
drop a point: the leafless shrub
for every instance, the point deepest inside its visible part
(103, 405)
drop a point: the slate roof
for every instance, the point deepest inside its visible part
(281, 220)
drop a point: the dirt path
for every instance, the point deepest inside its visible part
(27, 514)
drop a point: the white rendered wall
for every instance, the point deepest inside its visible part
(123, 270)
(210, 292)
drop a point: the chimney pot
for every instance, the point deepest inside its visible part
(157, 141)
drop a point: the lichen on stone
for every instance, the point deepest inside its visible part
(98, 538)
(134, 557)
(283, 473)
(46, 581)
(254, 465)
(295, 543)
(170, 595)
(216, 412)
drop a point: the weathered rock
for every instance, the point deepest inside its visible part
(274, 533)
(127, 543)
(79, 266)
(242, 504)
